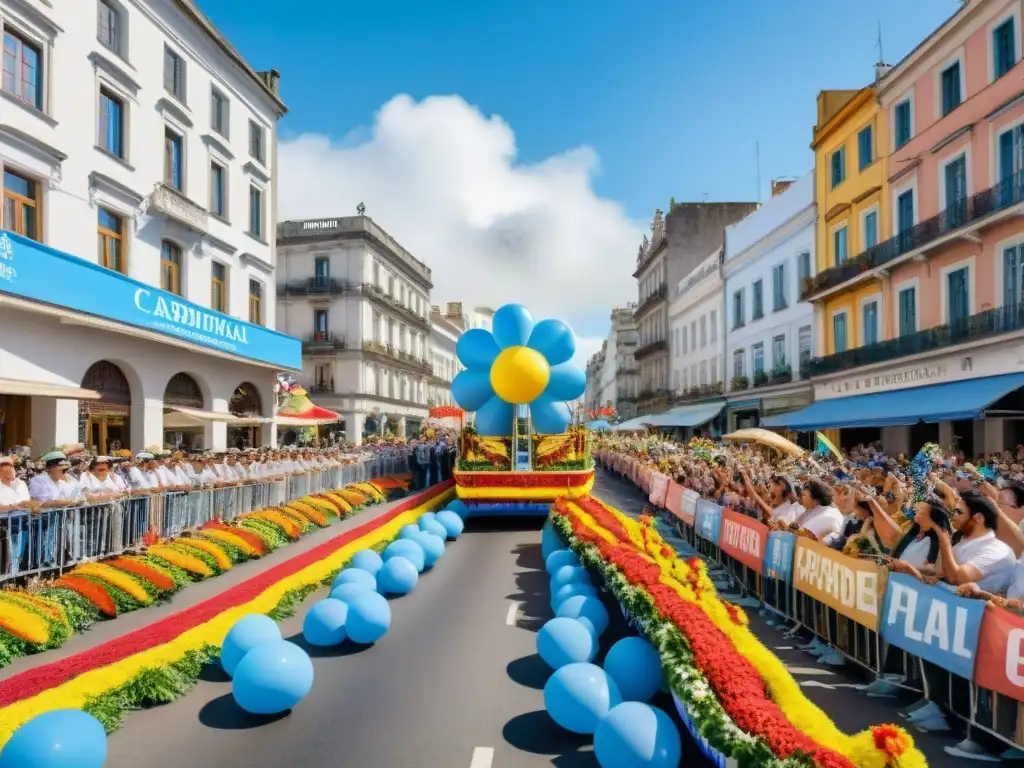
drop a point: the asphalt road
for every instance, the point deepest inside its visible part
(456, 677)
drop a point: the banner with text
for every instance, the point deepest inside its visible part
(743, 537)
(933, 623)
(709, 520)
(778, 556)
(851, 587)
(1001, 645)
(674, 499)
(659, 489)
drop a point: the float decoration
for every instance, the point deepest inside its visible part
(295, 409)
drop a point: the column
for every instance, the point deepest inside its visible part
(147, 425)
(945, 435)
(54, 423)
(355, 423)
(215, 433)
(995, 435)
(896, 440)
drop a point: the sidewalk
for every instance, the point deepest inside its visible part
(105, 631)
(834, 689)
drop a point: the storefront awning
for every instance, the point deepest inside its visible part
(180, 417)
(43, 389)
(640, 422)
(250, 421)
(938, 402)
(688, 415)
(296, 421)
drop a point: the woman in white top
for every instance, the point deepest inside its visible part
(821, 521)
(917, 552)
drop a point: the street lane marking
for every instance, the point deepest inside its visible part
(809, 671)
(783, 647)
(482, 758)
(510, 620)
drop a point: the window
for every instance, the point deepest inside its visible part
(323, 378)
(219, 112)
(714, 325)
(703, 372)
(22, 70)
(737, 363)
(958, 307)
(1004, 48)
(218, 287)
(908, 311)
(905, 211)
(904, 124)
(869, 322)
(174, 160)
(779, 287)
(738, 319)
(322, 270)
(778, 351)
(955, 178)
(865, 150)
(320, 323)
(108, 27)
(758, 352)
(839, 332)
(838, 166)
(803, 266)
(174, 74)
(703, 331)
(111, 127)
(804, 344)
(110, 228)
(256, 143)
(218, 189)
(256, 212)
(950, 85)
(870, 229)
(839, 247)
(693, 335)
(685, 345)
(757, 308)
(255, 302)
(170, 267)
(22, 211)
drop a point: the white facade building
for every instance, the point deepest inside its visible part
(361, 304)
(696, 331)
(138, 153)
(445, 329)
(769, 331)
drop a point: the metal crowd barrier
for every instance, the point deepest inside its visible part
(55, 539)
(858, 635)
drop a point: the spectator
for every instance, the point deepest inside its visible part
(917, 551)
(979, 557)
(821, 521)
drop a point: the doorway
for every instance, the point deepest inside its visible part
(107, 420)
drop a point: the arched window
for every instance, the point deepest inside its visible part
(109, 380)
(183, 390)
(246, 401)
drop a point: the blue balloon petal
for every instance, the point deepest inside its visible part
(494, 418)
(553, 339)
(476, 349)
(512, 326)
(471, 389)
(567, 382)
(549, 416)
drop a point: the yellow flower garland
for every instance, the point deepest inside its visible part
(219, 555)
(186, 562)
(231, 539)
(51, 608)
(23, 623)
(74, 693)
(115, 578)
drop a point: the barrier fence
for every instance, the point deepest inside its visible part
(54, 539)
(967, 656)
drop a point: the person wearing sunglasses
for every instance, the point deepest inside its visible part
(979, 557)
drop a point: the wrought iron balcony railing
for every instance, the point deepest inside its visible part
(983, 325)
(659, 295)
(961, 214)
(323, 342)
(649, 349)
(314, 286)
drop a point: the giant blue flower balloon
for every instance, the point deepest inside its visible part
(518, 363)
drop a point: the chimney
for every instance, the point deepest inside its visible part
(780, 185)
(454, 309)
(881, 70)
(272, 79)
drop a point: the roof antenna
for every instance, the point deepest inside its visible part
(881, 55)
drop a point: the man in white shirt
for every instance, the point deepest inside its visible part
(14, 497)
(51, 490)
(821, 521)
(979, 557)
(14, 493)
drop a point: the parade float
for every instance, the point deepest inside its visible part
(523, 449)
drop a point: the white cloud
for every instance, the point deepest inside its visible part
(585, 347)
(444, 180)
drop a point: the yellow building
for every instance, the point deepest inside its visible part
(851, 142)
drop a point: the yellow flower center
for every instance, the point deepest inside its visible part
(519, 375)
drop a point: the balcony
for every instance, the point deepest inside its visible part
(322, 388)
(983, 325)
(627, 371)
(323, 343)
(379, 296)
(961, 219)
(649, 349)
(699, 393)
(405, 360)
(659, 295)
(314, 286)
(175, 205)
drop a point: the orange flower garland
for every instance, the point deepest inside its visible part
(231, 538)
(157, 578)
(186, 562)
(92, 592)
(115, 578)
(219, 555)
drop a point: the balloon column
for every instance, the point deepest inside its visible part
(519, 362)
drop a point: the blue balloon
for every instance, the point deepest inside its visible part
(409, 549)
(586, 607)
(273, 678)
(247, 633)
(369, 617)
(555, 340)
(432, 526)
(60, 738)
(494, 418)
(324, 624)
(635, 666)
(549, 417)
(367, 560)
(355, 576)
(512, 325)
(566, 591)
(567, 382)
(397, 577)
(433, 547)
(427, 516)
(590, 627)
(565, 641)
(410, 531)
(346, 592)
(452, 523)
(578, 696)
(568, 574)
(460, 508)
(471, 389)
(562, 557)
(476, 349)
(636, 735)
(550, 541)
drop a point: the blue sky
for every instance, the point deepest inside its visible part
(673, 95)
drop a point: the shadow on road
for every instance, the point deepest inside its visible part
(347, 648)
(537, 733)
(224, 714)
(213, 673)
(529, 672)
